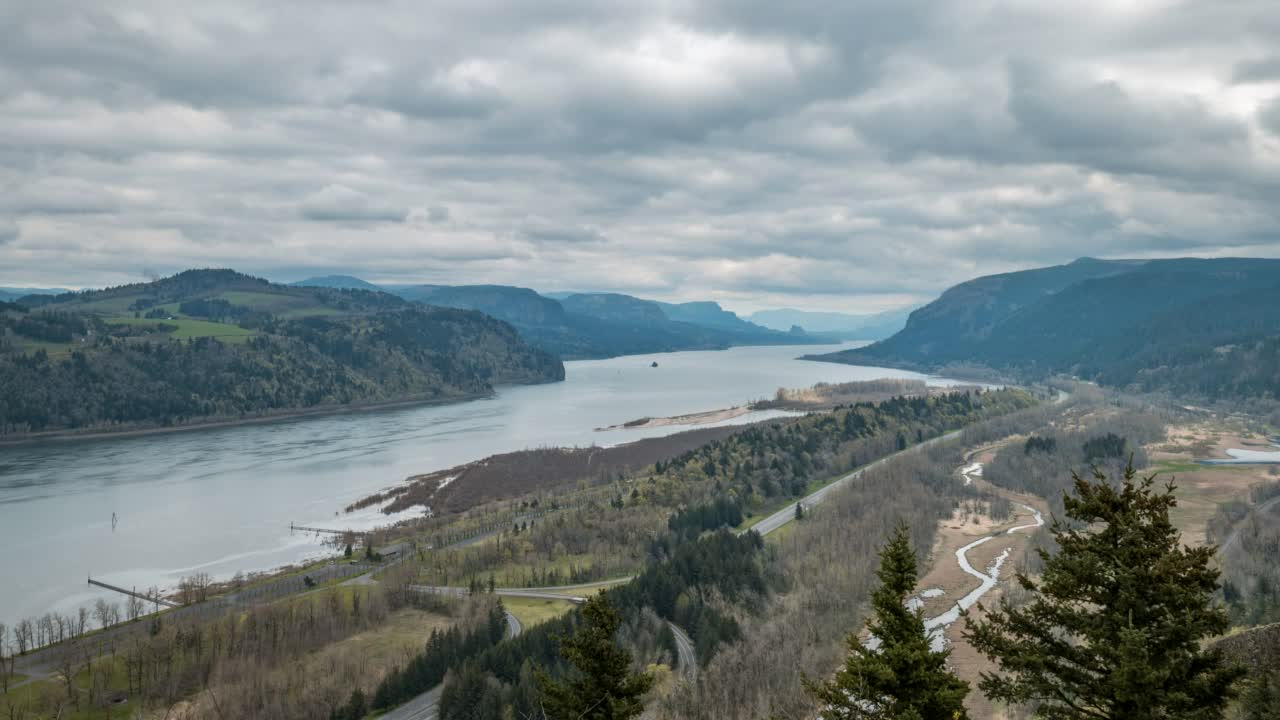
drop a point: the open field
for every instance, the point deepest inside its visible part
(285, 306)
(189, 329)
(1201, 488)
(532, 611)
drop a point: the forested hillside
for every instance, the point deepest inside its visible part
(591, 325)
(603, 324)
(217, 345)
(1194, 327)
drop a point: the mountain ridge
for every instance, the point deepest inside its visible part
(1200, 326)
(217, 345)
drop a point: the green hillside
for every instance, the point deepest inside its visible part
(1202, 327)
(210, 345)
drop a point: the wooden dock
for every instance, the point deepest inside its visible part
(133, 593)
(304, 528)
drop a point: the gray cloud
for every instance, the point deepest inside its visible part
(339, 203)
(9, 231)
(1257, 70)
(1270, 116)
(851, 155)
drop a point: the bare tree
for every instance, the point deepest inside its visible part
(102, 612)
(45, 629)
(133, 608)
(23, 636)
(82, 620)
(5, 668)
(202, 582)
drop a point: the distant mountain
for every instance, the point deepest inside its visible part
(594, 325)
(216, 345)
(517, 305)
(341, 282)
(1205, 327)
(710, 314)
(9, 294)
(841, 325)
(617, 308)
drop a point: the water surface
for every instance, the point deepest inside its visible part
(220, 500)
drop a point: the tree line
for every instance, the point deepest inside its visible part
(109, 382)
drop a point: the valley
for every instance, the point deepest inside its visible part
(727, 504)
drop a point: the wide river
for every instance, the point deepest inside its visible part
(220, 500)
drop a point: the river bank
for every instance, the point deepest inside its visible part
(214, 423)
(699, 418)
(221, 501)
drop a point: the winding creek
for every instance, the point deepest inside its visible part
(987, 579)
(220, 500)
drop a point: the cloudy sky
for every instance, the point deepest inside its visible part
(843, 155)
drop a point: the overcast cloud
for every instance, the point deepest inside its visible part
(855, 156)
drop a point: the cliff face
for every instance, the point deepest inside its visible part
(1193, 327)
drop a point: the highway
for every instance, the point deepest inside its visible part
(687, 658)
(424, 707)
(788, 513)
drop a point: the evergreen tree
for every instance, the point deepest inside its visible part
(601, 685)
(1261, 699)
(901, 677)
(1114, 629)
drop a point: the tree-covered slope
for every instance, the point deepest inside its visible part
(593, 325)
(1207, 327)
(216, 345)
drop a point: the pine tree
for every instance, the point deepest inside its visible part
(902, 677)
(601, 685)
(1261, 699)
(1114, 629)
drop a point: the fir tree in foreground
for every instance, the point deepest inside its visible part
(601, 685)
(902, 678)
(1114, 629)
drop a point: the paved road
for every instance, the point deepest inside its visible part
(514, 628)
(424, 707)
(686, 657)
(788, 513)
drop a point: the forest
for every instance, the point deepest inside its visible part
(1202, 328)
(347, 347)
(722, 483)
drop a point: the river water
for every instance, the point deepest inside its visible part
(220, 500)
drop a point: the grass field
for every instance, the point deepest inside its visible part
(53, 349)
(531, 611)
(285, 306)
(188, 329)
(516, 574)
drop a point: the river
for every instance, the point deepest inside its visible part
(220, 500)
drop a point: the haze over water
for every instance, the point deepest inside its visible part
(220, 500)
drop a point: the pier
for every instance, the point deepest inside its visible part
(305, 528)
(133, 593)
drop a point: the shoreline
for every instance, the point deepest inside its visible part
(706, 417)
(64, 436)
